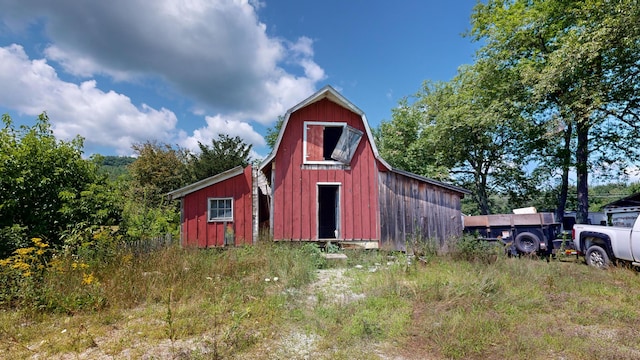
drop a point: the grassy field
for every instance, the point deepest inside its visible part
(271, 301)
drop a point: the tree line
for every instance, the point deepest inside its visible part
(49, 191)
(553, 92)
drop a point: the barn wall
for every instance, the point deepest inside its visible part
(198, 232)
(294, 186)
(409, 207)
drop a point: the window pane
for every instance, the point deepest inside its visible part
(347, 145)
(220, 209)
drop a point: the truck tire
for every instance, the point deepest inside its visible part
(597, 257)
(527, 242)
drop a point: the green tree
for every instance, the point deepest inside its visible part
(113, 166)
(477, 132)
(399, 143)
(40, 180)
(225, 153)
(579, 60)
(466, 130)
(273, 132)
(158, 169)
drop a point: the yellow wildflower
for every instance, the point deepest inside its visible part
(38, 242)
(21, 266)
(88, 279)
(79, 265)
(24, 251)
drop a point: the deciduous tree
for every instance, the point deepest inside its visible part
(158, 169)
(580, 62)
(40, 178)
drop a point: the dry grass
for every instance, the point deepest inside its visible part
(213, 304)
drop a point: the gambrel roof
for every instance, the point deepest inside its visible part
(332, 95)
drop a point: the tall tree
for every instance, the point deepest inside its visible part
(158, 169)
(473, 131)
(225, 153)
(581, 58)
(41, 178)
(398, 141)
(468, 130)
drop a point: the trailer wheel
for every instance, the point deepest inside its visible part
(527, 242)
(597, 257)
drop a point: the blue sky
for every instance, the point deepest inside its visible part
(126, 71)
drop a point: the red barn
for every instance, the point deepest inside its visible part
(323, 181)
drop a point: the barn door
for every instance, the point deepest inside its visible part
(328, 211)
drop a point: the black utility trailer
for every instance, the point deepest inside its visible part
(523, 233)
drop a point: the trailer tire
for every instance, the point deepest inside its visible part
(527, 242)
(597, 257)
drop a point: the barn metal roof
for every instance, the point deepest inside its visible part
(177, 194)
(431, 181)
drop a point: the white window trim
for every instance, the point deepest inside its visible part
(221, 219)
(304, 141)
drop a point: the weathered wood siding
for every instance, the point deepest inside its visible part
(197, 231)
(295, 184)
(411, 209)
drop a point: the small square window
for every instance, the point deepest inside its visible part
(220, 209)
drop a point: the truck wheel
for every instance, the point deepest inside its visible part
(527, 242)
(597, 257)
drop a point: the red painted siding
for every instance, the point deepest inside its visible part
(198, 232)
(295, 184)
(314, 142)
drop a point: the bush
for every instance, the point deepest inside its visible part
(472, 249)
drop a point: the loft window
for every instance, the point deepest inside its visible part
(220, 209)
(330, 142)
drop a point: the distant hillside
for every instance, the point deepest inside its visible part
(115, 166)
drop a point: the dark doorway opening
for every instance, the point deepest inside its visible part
(328, 211)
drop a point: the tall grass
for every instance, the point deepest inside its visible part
(172, 294)
(255, 302)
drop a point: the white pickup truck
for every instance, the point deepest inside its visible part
(602, 245)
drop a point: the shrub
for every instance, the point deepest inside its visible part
(470, 248)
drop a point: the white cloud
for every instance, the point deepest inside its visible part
(102, 118)
(215, 53)
(217, 125)
(79, 65)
